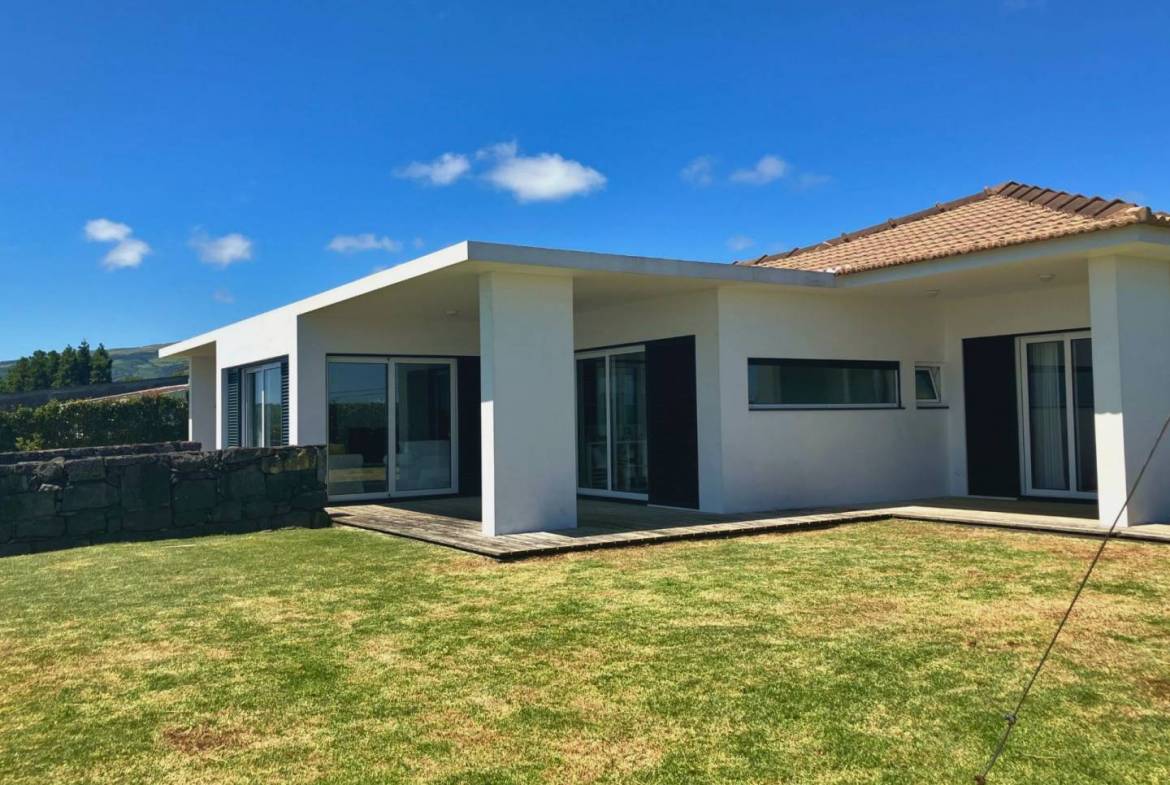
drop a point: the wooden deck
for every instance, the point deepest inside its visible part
(454, 522)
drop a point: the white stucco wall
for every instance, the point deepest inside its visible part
(691, 313)
(748, 460)
(793, 458)
(1036, 310)
(1130, 305)
(202, 389)
(527, 395)
(339, 330)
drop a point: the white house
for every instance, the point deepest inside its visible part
(1014, 343)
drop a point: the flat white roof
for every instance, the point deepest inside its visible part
(521, 256)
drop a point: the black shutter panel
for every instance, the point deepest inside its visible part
(672, 422)
(232, 402)
(283, 403)
(467, 388)
(993, 438)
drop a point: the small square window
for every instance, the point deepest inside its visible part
(928, 384)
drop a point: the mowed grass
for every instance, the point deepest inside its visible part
(875, 653)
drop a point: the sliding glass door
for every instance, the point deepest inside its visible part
(377, 449)
(611, 423)
(359, 428)
(423, 455)
(1056, 402)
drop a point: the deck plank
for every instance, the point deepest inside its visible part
(454, 523)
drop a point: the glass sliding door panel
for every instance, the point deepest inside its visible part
(359, 421)
(256, 409)
(1084, 431)
(628, 433)
(1047, 415)
(422, 427)
(273, 420)
(592, 425)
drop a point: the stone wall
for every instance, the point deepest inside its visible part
(71, 501)
(94, 452)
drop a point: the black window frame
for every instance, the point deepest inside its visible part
(235, 380)
(887, 365)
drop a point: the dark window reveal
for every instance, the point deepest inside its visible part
(828, 384)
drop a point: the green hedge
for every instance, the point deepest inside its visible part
(155, 418)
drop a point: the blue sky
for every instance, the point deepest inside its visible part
(228, 146)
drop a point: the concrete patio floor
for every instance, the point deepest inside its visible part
(454, 522)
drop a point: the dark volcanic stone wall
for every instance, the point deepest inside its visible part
(90, 452)
(74, 499)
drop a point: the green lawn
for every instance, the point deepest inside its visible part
(880, 652)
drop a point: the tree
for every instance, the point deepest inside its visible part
(69, 368)
(84, 363)
(19, 376)
(67, 371)
(101, 367)
(43, 367)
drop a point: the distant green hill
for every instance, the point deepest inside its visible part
(135, 362)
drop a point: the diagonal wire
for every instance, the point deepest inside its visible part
(1014, 715)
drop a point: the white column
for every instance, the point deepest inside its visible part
(1129, 301)
(201, 401)
(527, 403)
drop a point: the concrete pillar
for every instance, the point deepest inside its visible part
(1129, 302)
(527, 403)
(201, 401)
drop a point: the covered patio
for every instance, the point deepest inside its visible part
(455, 522)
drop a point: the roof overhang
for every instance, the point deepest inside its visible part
(495, 256)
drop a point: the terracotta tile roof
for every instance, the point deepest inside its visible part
(1008, 214)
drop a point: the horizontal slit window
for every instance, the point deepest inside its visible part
(822, 384)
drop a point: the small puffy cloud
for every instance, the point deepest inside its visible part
(444, 170)
(739, 242)
(547, 177)
(223, 296)
(221, 251)
(103, 230)
(357, 243)
(417, 242)
(767, 169)
(128, 251)
(700, 171)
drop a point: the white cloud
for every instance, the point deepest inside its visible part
(223, 296)
(127, 252)
(700, 171)
(767, 169)
(103, 230)
(417, 242)
(222, 251)
(547, 177)
(444, 170)
(498, 150)
(739, 242)
(356, 243)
